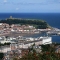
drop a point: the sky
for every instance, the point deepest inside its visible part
(29, 6)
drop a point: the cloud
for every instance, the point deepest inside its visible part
(5, 1)
(19, 3)
(17, 8)
(39, 2)
(43, 2)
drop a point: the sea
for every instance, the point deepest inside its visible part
(53, 19)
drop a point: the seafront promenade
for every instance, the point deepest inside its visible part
(17, 29)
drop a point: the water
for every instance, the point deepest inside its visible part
(52, 19)
(54, 38)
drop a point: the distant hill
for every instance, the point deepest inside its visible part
(41, 24)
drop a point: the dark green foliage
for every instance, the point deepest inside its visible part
(5, 44)
(39, 23)
(48, 53)
(48, 48)
(1, 55)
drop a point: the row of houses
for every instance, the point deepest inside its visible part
(24, 42)
(7, 29)
(20, 45)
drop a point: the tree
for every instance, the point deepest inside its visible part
(1, 55)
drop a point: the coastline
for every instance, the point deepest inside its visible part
(18, 34)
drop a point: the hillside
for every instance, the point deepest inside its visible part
(41, 24)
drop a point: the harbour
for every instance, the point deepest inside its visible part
(30, 30)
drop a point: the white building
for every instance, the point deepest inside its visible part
(37, 41)
(46, 40)
(5, 49)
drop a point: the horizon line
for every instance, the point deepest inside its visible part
(29, 12)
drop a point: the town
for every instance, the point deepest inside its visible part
(6, 29)
(13, 40)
